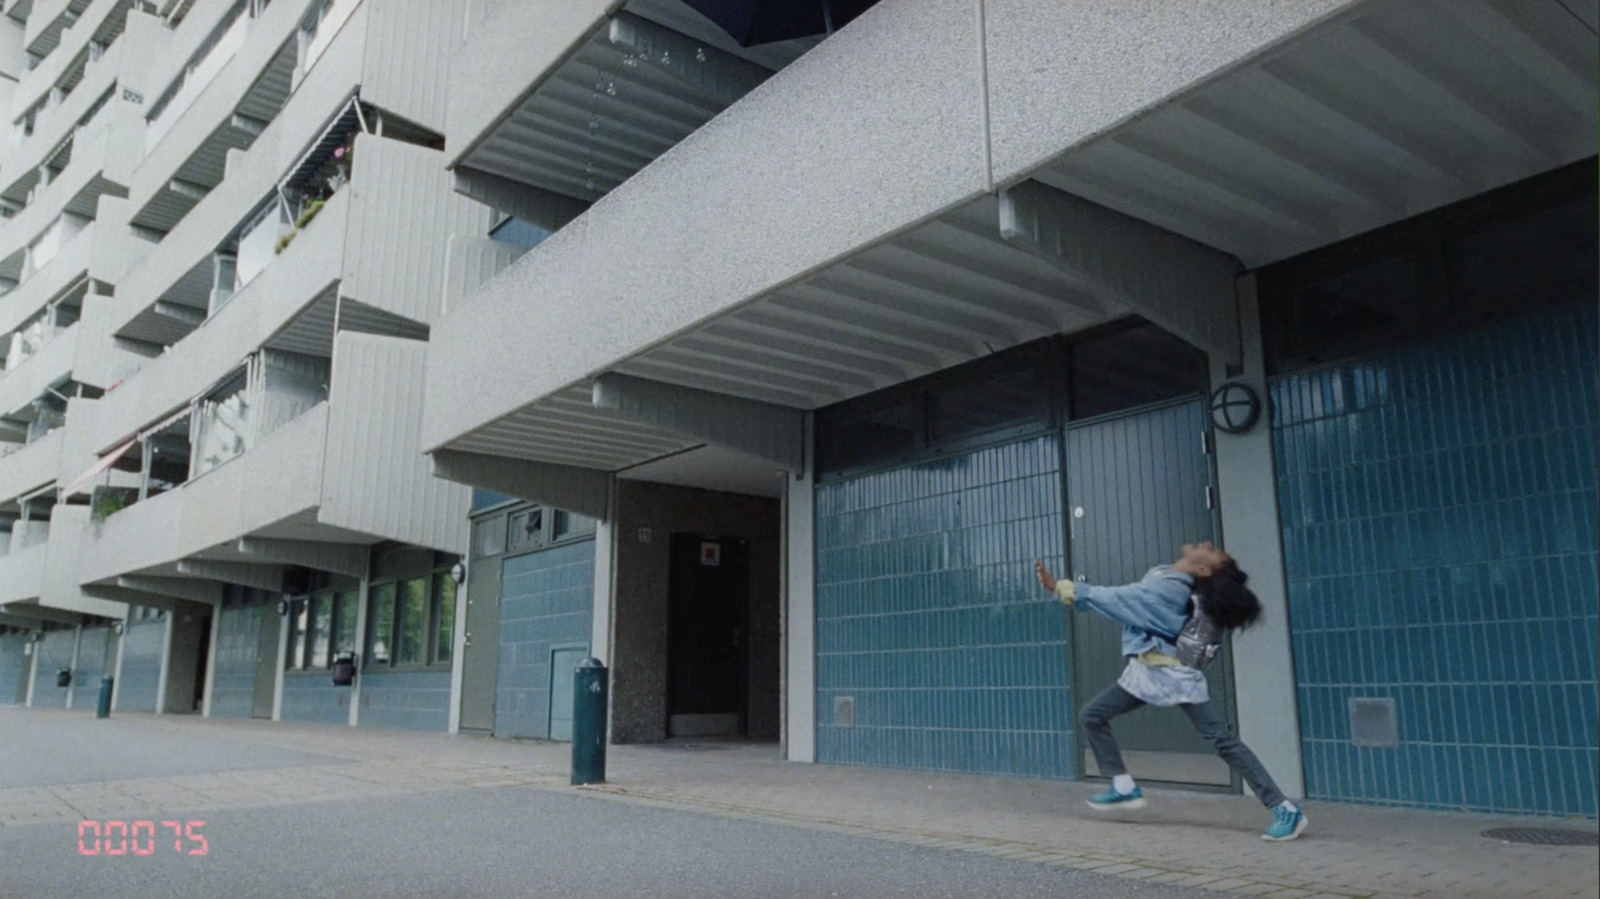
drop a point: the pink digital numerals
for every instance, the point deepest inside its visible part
(138, 837)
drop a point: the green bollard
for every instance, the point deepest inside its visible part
(103, 708)
(589, 690)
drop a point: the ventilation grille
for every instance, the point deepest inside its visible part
(844, 711)
(1372, 722)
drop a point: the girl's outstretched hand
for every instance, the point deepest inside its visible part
(1046, 579)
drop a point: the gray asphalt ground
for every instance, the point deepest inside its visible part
(38, 750)
(521, 842)
(501, 841)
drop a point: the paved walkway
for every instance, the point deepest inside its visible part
(1182, 838)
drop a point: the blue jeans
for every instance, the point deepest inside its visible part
(1116, 701)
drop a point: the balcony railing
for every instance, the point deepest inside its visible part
(210, 61)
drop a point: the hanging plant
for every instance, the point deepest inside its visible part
(311, 210)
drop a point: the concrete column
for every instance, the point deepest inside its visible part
(77, 648)
(122, 646)
(211, 660)
(167, 617)
(1263, 660)
(605, 555)
(363, 599)
(800, 613)
(33, 670)
(459, 648)
(602, 624)
(277, 664)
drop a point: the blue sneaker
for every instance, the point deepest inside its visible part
(1111, 799)
(1287, 824)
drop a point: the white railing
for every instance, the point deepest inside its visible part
(196, 78)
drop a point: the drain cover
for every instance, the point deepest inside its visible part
(1544, 836)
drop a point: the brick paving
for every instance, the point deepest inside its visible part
(1183, 838)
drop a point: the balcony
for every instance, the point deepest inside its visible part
(66, 207)
(289, 306)
(26, 467)
(51, 364)
(22, 569)
(181, 264)
(268, 491)
(49, 283)
(231, 112)
(60, 88)
(56, 123)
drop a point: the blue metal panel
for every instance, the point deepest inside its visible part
(91, 667)
(14, 664)
(233, 681)
(141, 665)
(545, 598)
(406, 700)
(314, 699)
(55, 653)
(483, 499)
(1442, 543)
(929, 619)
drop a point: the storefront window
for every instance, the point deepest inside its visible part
(381, 642)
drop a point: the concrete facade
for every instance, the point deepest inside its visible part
(278, 288)
(1072, 168)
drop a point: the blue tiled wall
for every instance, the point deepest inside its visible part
(313, 698)
(91, 667)
(141, 665)
(233, 682)
(406, 700)
(1440, 536)
(545, 598)
(929, 616)
(14, 664)
(55, 653)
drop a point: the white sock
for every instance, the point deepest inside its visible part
(1286, 804)
(1122, 783)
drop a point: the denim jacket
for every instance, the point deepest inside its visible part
(1150, 611)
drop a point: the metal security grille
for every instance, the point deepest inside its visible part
(1543, 836)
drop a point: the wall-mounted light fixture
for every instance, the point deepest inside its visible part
(283, 607)
(117, 628)
(458, 573)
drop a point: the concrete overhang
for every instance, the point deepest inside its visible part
(604, 89)
(818, 242)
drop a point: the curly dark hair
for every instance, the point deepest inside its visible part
(1226, 600)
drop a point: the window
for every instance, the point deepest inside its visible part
(527, 530)
(444, 617)
(321, 622)
(413, 627)
(1520, 248)
(568, 524)
(489, 536)
(1130, 367)
(344, 622)
(413, 620)
(1544, 256)
(381, 642)
(297, 636)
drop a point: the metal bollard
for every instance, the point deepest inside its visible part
(589, 691)
(103, 708)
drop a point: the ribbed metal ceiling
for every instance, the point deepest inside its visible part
(619, 102)
(945, 293)
(1403, 107)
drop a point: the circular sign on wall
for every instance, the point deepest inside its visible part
(1235, 408)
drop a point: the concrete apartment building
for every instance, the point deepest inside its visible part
(771, 368)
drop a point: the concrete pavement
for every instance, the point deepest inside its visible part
(1193, 841)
